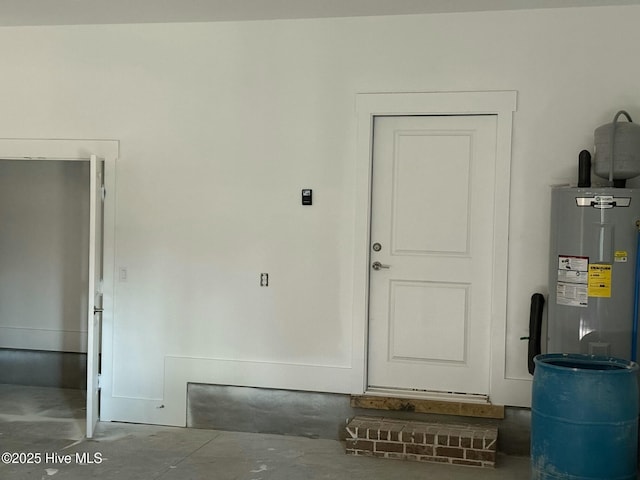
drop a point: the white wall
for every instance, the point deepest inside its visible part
(222, 124)
(44, 243)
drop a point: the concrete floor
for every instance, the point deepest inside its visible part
(50, 422)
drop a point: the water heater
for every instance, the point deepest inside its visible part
(592, 270)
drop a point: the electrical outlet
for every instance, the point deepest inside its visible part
(264, 279)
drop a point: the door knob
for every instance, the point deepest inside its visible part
(378, 265)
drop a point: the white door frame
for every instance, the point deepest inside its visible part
(82, 150)
(370, 105)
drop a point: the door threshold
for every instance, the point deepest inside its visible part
(463, 405)
(428, 395)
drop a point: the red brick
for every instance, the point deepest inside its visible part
(360, 445)
(489, 443)
(389, 447)
(419, 449)
(482, 455)
(368, 426)
(450, 452)
(395, 430)
(436, 459)
(470, 463)
(419, 441)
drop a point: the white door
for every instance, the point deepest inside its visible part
(95, 291)
(431, 253)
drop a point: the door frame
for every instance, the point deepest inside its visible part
(368, 106)
(24, 149)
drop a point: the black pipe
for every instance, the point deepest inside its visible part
(584, 169)
(535, 329)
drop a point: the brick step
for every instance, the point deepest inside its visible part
(457, 444)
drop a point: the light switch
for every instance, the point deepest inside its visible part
(307, 196)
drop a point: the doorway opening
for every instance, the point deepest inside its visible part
(52, 256)
(44, 245)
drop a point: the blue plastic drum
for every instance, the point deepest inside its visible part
(584, 418)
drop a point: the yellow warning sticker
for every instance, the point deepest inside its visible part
(620, 256)
(599, 284)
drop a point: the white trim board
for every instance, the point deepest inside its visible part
(171, 409)
(501, 103)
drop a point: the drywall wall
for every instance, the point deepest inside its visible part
(44, 243)
(222, 124)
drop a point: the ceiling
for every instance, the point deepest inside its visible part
(80, 12)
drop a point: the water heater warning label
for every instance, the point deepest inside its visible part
(572, 286)
(620, 256)
(600, 280)
(575, 264)
(572, 295)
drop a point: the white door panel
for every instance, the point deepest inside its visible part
(432, 214)
(94, 314)
(412, 174)
(438, 336)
